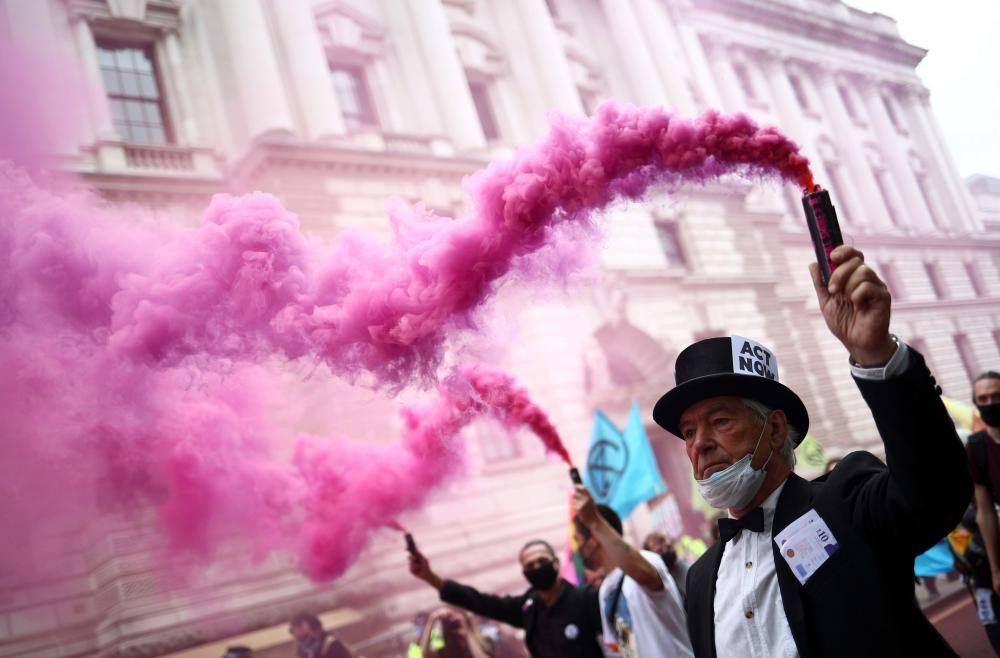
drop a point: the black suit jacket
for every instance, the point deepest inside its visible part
(861, 602)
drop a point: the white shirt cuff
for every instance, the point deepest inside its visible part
(900, 359)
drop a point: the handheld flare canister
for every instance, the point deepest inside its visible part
(411, 546)
(574, 475)
(823, 227)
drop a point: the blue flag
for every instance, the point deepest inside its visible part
(621, 470)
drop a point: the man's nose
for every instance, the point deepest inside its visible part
(703, 440)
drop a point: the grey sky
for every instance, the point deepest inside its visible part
(962, 71)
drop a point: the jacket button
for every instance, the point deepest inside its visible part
(749, 564)
(748, 614)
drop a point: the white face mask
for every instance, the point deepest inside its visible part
(735, 486)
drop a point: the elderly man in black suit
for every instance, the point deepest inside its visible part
(821, 568)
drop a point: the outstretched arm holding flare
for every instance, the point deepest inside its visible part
(926, 487)
(618, 551)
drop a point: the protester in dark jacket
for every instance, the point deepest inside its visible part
(560, 620)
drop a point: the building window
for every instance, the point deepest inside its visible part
(670, 244)
(883, 188)
(926, 193)
(798, 88)
(484, 108)
(847, 214)
(845, 97)
(976, 279)
(134, 93)
(890, 109)
(887, 271)
(588, 99)
(964, 347)
(355, 101)
(937, 283)
(743, 77)
(499, 447)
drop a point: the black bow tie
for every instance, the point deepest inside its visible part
(754, 521)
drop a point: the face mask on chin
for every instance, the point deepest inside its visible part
(542, 577)
(990, 413)
(735, 486)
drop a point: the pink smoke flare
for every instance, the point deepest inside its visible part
(247, 283)
(497, 390)
(353, 489)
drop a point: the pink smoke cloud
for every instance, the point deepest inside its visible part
(248, 282)
(136, 357)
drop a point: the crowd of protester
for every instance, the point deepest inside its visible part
(795, 567)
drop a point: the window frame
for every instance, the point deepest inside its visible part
(103, 44)
(483, 102)
(368, 117)
(967, 354)
(934, 276)
(672, 229)
(800, 92)
(744, 78)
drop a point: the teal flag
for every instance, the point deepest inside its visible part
(621, 469)
(935, 560)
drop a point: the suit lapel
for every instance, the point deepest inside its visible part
(701, 595)
(795, 500)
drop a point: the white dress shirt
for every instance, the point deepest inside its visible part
(749, 614)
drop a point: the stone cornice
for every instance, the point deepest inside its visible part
(136, 186)
(264, 156)
(958, 304)
(128, 18)
(872, 240)
(788, 18)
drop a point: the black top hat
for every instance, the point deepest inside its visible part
(729, 365)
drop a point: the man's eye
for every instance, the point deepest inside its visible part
(721, 422)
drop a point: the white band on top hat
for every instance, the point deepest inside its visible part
(752, 358)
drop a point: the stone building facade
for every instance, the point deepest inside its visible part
(337, 105)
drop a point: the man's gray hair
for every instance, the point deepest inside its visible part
(787, 449)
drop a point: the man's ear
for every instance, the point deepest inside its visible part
(778, 432)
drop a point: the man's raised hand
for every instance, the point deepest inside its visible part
(856, 306)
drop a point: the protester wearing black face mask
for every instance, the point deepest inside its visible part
(984, 465)
(664, 546)
(560, 620)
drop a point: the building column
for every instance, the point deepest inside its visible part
(695, 51)
(957, 203)
(97, 99)
(788, 109)
(662, 38)
(896, 158)
(857, 172)
(251, 54)
(447, 77)
(550, 57)
(308, 69)
(637, 59)
(724, 75)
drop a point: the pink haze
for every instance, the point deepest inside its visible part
(137, 358)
